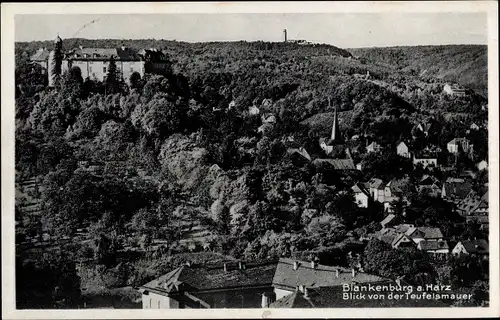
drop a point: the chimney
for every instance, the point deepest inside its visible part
(337, 273)
(295, 265)
(265, 301)
(353, 272)
(225, 267)
(313, 264)
(306, 292)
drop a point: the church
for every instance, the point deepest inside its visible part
(94, 62)
(328, 144)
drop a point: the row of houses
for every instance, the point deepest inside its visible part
(287, 283)
(428, 239)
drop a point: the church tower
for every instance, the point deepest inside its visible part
(55, 62)
(335, 126)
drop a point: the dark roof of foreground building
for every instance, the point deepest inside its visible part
(433, 245)
(317, 276)
(475, 246)
(332, 297)
(203, 278)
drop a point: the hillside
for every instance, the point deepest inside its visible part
(464, 64)
(217, 155)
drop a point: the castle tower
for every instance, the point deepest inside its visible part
(284, 35)
(55, 62)
(335, 126)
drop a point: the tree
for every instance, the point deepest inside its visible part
(112, 81)
(135, 80)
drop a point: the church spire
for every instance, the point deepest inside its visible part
(335, 126)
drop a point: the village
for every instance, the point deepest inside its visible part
(286, 203)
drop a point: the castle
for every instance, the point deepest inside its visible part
(94, 62)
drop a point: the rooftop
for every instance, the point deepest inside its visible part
(320, 275)
(475, 246)
(201, 278)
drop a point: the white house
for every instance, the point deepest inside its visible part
(402, 150)
(376, 187)
(425, 160)
(253, 110)
(471, 247)
(373, 147)
(482, 165)
(474, 126)
(454, 90)
(459, 144)
(361, 196)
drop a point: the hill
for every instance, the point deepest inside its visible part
(464, 64)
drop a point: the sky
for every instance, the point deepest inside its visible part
(345, 30)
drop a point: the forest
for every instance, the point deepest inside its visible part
(123, 181)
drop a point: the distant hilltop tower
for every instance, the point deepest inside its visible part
(284, 35)
(55, 62)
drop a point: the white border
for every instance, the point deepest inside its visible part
(7, 140)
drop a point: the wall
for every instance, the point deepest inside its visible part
(361, 200)
(99, 69)
(129, 67)
(238, 298)
(156, 301)
(280, 293)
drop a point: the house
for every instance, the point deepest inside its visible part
(94, 62)
(475, 209)
(429, 185)
(361, 196)
(407, 235)
(479, 247)
(425, 160)
(299, 155)
(377, 189)
(231, 285)
(292, 275)
(373, 147)
(459, 145)
(434, 247)
(390, 221)
(454, 90)
(253, 110)
(268, 118)
(474, 126)
(403, 150)
(455, 189)
(482, 165)
(425, 128)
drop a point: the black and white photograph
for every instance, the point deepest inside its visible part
(251, 160)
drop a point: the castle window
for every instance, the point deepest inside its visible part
(104, 69)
